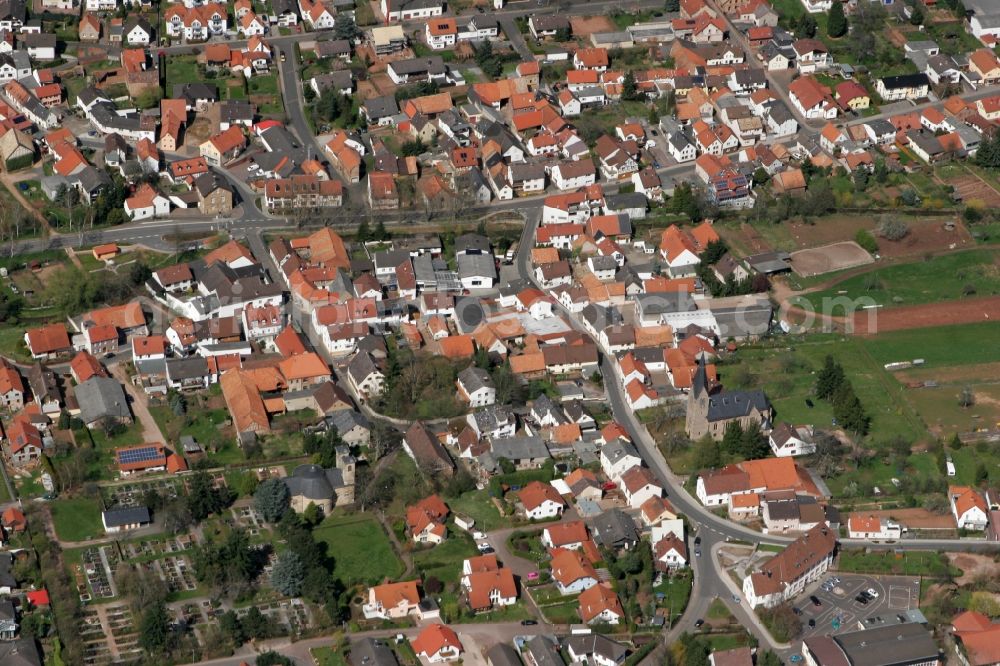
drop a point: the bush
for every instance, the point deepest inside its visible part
(866, 241)
(891, 228)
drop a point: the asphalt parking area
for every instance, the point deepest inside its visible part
(840, 611)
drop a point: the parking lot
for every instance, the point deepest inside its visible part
(840, 611)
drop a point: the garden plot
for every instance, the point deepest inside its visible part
(175, 571)
(95, 573)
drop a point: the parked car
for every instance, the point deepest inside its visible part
(698, 623)
(528, 623)
(812, 622)
(815, 600)
(872, 593)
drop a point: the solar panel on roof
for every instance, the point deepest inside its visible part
(144, 454)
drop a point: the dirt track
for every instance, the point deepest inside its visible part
(933, 314)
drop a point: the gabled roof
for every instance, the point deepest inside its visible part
(434, 639)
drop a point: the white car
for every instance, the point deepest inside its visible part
(872, 593)
(478, 536)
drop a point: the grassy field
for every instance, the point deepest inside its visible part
(360, 549)
(916, 563)
(940, 346)
(943, 278)
(77, 519)
(787, 376)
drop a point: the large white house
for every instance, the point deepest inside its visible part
(788, 440)
(787, 574)
(969, 508)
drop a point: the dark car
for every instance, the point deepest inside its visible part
(861, 599)
(528, 623)
(815, 600)
(798, 611)
(698, 623)
(697, 541)
(812, 623)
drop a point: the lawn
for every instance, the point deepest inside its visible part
(951, 37)
(181, 69)
(203, 424)
(77, 519)
(360, 549)
(567, 613)
(12, 344)
(918, 563)
(676, 591)
(721, 642)
(943, 278)
(328, 656)
(478, 505)
(444, 561)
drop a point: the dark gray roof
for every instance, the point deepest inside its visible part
(665, 303)
(333, 47)
(92, 179)
(472, 244)
(602, 316)
(490, 417)
(596, 644)
(338, 80)
(770, 262)
(905, 81)
(129, 515)
(619, 450)
(430, 65)
(194, 367)
(21, 652)
(7, 571)
(550, 22)
(743, 321)
(615, 529)
(361, 366)
(314, 483)
(381, 107)
(193, 92)
(345, 420)
(734, 404)
(474, 378)
(889, 646)
(372, 652)
(519, 448)
(477, 265)
(502, 654)
(544, 651)
(99, 397)
(209, 182)
(881, 126)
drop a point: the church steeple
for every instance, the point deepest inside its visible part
(700, 381)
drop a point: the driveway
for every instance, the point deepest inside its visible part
(140, 408)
